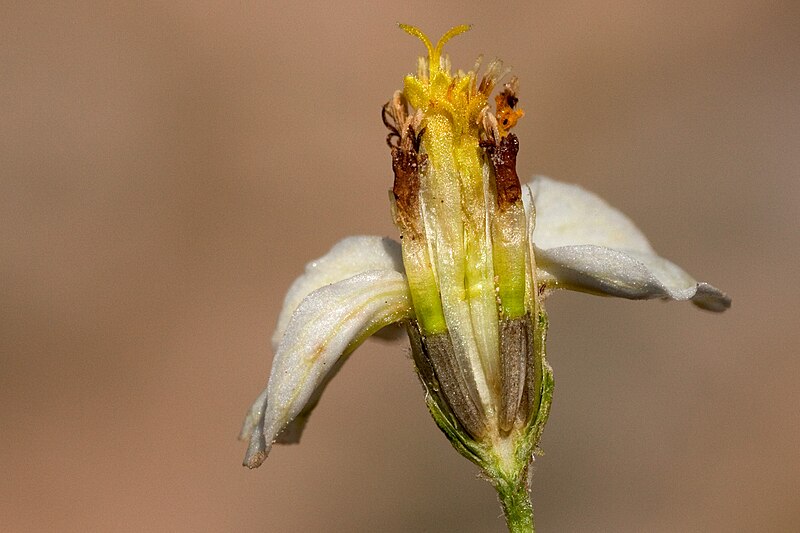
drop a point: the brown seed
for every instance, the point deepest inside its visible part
(514, 347)
(439, 372)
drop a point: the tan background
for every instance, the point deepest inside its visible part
(166, 169)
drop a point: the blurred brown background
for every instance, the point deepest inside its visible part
(167, 168)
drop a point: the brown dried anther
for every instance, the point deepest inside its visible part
(503, 157)
(506, 104)
(407, 162)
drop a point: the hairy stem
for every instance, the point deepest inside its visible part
(517, 508)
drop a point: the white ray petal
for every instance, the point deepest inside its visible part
(584, 244)
(347, 258)
(568, 214)
(326, 326)
(625, 274)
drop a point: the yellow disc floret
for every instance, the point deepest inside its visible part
(435, 90)
(457, 202)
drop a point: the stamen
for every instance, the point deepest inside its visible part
(422, 69)
(506, 103)
(493, 73)
(489, 123)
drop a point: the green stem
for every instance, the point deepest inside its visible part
(517, 506)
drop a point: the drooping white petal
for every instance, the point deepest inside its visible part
(328, 324)
(567, 215)
(584, 244)
(348, 257)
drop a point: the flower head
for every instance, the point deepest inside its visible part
(479, 253)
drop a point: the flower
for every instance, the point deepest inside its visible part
(480, 253)
(359, 286)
